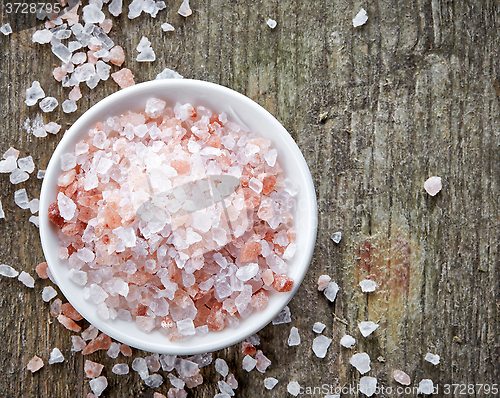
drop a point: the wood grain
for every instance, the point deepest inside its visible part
(376, 110)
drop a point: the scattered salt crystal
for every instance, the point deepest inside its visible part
(336, 237)
(26, 279)
(78, 343)
(368, 385)
(2, 214)
(21, 198)
(186, 327)
(120, 369)
(168, 74)
(154, 381)
(102, 70)
(222, 396)
(225, 388)
(98, 385)
(34, 220)
(26, 164)
(34, 93)
(146, 55)
(184, 9)
(248, 363)
(124, 78)
(293, 388)
(167, 27)
(426, 386)
(79, 58)
(367, 328)
(143, 44)
(62, 52)
(331, 291)
(18, 176)
(294, 337)
(66, 206)
(361, 362)
(283, 317)
(432, 358)
(401, 377)
(360, 18)
(115, 7)
(141, 367)
(175, 381)
(48, 293)
(35, 364)
(56, 356)
(318, 327)
(92, 14)
(433, 185)
(126, 235)
(270, 382)
(221, 367)
(320, 346)
(272, 24)
(6, 29)
(48, 104)
(347, 341)
(43, 36)
(52, 128)
(367, 285)
(8, 271)
(69, 106)
(75, 94)
(8, 165)
(11, 152)
(84, 72)
(247, 272)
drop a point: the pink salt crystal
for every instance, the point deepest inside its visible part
(90, 333)
(78, 343)
(268, 277)
(124, 78)
(250, 251)
(262, 362)
(68, 310)
(75, 94)
(59, 73)
(55, 307)
(176, 393)
(35, 364)
(282, 283)
(106, 25)
(248, 348)
(433, 185)
(41, 270)
(158, 395)
(181, 166)
(259, 300)
(93, 369)
(126, 350)
(91, 395)
(323, 282)
(193, 381)
(231, 381)
(117, 56)
(102, 342)
(401, 377)
(68, 323)
(145, 323)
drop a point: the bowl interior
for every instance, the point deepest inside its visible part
(239, 109)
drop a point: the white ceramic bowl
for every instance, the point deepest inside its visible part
(241, 110)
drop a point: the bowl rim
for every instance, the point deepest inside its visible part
(182, 347)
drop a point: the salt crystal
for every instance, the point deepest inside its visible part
(360, 18)
(145, 323)
(368, 385)
(34, 93)
(26, 164)
(126, 235)
(56, 356)
(432, 358)
(294, 337)
(167, 27)
(26, 279)
(222, 396)
(79, 277)
(11, 152)
(331, 291)
(291, 187)
(154, 381)
(361, 362)
(367, 328)
(221, 367)
(141, 367)
(69, 106)
(184, 9)
(6, 29)
(74, 45)
(115, 7)
(34, 220)
(48, 293)
(320, 346)
(103, 53)
(186, 327)
(98, 385)
(336, 237)
(318, 327)
(144, 43)
(84, 72)
(293, 388)
(2, 214)
(225, 388)
(120, 369)
(92, 14)
(66, 206)
(175, 381)
(124, 78)
(248, 363)
(367, 285)
(270, 382)
(247, 272)
(75, 94)
(401, 377)
(52, 128)
(43, 36)
(78, 58)
(168, 74)
(18, 176)
(78, 343)
(155, 107)
(104, 40)
(48, 104)
(433, 185)
(21, 198)
(147, 55)
(283, 317)
(35, 364)
(270, 157)
(8, 271)
(8, 165)
(102, 70)
(272, 24)
(347, 341)
(62, 52)
(426, 386)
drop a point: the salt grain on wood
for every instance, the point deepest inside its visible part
(367, 328)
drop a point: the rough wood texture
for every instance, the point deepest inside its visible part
(408, 95)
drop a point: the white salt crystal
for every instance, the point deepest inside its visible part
(222, 396)
(426, 386)
(433, 185)
(21, 198)
(331, 291)
(320, 346)
(248, 363)
(361, 362)
(270, 157)
(92, 81)
(26, 164)
(347, 341)
(103, 53)
(155, 107)
(85, 254)
(272, 24)
(168, 73)
(35, 220)
(175, 381)
(6, 29)
(69, 106)
(18, 176)
(8, 271)
(225, 388)
(102, 70)
(221, 367)
(141, 367)
(104, 165)
(184, 9)
(43, 36)
(8, 165)
(78, 343)
(52, 128)
(336, 237)
(367, 328)
(368, 286)
(81, 148)
(79, 58)
(74, 45)
(294, 337)
(103, 311)
(62, 52)
(432, 358)
(2, 214)
(318, 327)
(283, 317)
(79, 277)
(290, 251)
(167, 27)
(97, 294)
(154, 381)
(247, 272)
(92, 14)
(56, 356)
(98, 385)
(127, 236)
(48, 293)
(11, 152)
(368, 385)
(120, 369)
(66, 206)
(84, 72)
(293, 388)
(186, 327)
(115, 7)
(146, 55)
(255, 184)
(34, 93)
(48, 104)
(143, 44)
(360, 18)
(26, 279)
(270, 382)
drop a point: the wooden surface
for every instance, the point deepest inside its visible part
(376, 110)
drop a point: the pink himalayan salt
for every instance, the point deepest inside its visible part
(250, 251)
(90, 57)
(93, 369)
(433, 185)
(268, 277)
(68, 310)
(282, 283)
(68, 323)
(35, 364)
(262, 362)
(125, 350)
(117, 56)
(106, 25)
(176, 393)
(41, 270)
(401, 377)
(193, 381)
(91, 395)
(248, 348)
(158, 395)
(259, 300)
(124, 78)
(102, 342)
(323, 282)
(59, 73)
(75, 94)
